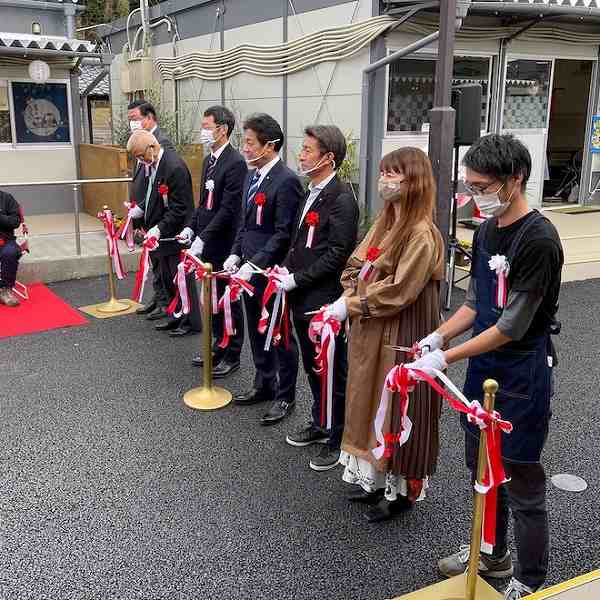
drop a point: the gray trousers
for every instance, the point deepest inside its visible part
(525, 496)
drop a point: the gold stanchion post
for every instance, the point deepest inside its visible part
(113, 305)
(469, 585)
(207, 397)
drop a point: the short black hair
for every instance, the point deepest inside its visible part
(147, 109)
(267, 129)
(135, 104)
(330, 139)
(499, 156)
(221, 116)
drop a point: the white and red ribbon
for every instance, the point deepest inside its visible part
(233, 292)
(368, 267)
(126, 230)
(499, 264)
(21, 290)
(106, 217)
(149, 244)
(310, 236)
(210, 186)
(275, 325)
(188, 264)
(322, 332)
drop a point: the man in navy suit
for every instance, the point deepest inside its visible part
(215, 223)
(316, 261)
(264, 241)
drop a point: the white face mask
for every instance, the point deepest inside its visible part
(207, 137)
(251, 161)
(315, 168)
(490, 205)
(135, 125)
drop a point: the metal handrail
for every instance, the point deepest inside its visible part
(75, 183)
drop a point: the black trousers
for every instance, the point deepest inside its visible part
(167, 267)
(10, 253)
(525, 496)
(160, 295)
(340, 375)
(234, 349)
(272, 366)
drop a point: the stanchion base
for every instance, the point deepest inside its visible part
(112, 308)
(453, 589)
(203, 398)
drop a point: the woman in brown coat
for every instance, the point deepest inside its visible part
(396, 304)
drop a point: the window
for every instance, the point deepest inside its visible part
(41, 113)
(5, 131)
(411, 86)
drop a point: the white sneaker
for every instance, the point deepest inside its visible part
(517, 590)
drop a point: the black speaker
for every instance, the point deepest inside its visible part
(466, 101)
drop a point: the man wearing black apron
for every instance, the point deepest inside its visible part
(511, 305)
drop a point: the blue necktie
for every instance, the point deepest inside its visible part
(253, 187)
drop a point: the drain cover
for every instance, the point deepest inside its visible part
(569, 483)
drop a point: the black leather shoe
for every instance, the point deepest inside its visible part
(168, 325)
(386, 510)
(359, 496)
(254, 396)
(158, 313)
(278, 411)
(147, 308)
(181, 331)
(198, 361)
(225, 368)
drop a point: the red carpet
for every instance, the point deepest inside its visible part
(43, 311)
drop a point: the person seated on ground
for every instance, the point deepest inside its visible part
(10, 252)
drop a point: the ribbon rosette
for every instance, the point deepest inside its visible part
(311, 220)
(106, 217)
(322, 333)
(367, 268)
(260, 200)
(233, 292)
(149, 244)
(210, 186)
(278, 325)
(499, 264)
(163, 190)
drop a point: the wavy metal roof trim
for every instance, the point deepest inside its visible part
(44, 42)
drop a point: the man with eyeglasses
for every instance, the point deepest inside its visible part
(511, 306)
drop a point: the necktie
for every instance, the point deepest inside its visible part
(212, 161)
(253, 187)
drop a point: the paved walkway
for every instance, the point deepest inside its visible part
(110, 488)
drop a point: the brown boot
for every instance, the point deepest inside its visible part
(7, 297)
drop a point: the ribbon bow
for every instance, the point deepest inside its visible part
(233, 292)
(188, 264)
(499, 264)
(312, 220)
(260, 200)
(278, 325)
(372, 254)
(148, 246)
(163, 190)
(322, 333)
(126, 230)
(106, 217)
(210, 186)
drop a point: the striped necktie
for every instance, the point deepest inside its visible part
(253, 187)
(212, 162)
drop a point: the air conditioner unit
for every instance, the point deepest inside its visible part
(137, 74)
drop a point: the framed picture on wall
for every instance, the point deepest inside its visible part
(41, 113)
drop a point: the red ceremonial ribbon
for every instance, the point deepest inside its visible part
(402, 380)
(163, 190)
(106, 217)
(233, 292)
(278, 326)
(143, 268)
(367, 268)
(188, 264)
(322, 333)
(311, 220)
(126, 230)
(260, 199)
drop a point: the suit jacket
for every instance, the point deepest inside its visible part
(10, 216)
(218, 227)
(138, 185)
(267, 244)
(170, 219)
(317, 270)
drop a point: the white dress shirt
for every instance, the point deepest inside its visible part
(264, 171)
(315, 190)
(218, 152)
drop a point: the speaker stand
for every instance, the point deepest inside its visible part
(454, 246)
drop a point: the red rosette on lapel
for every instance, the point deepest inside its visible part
(163, 190)
(311, 220)
(260, 200)
(372, 254)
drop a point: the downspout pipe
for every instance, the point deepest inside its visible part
(514, 8)
(366, 103)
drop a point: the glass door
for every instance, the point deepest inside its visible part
(526, 112)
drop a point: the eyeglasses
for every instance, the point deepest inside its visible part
(478, 190)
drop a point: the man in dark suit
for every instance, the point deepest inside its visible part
(215, 222)
(10, 251)
(264, 239)
(142, 115)
(164, 214)
(316, 261)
